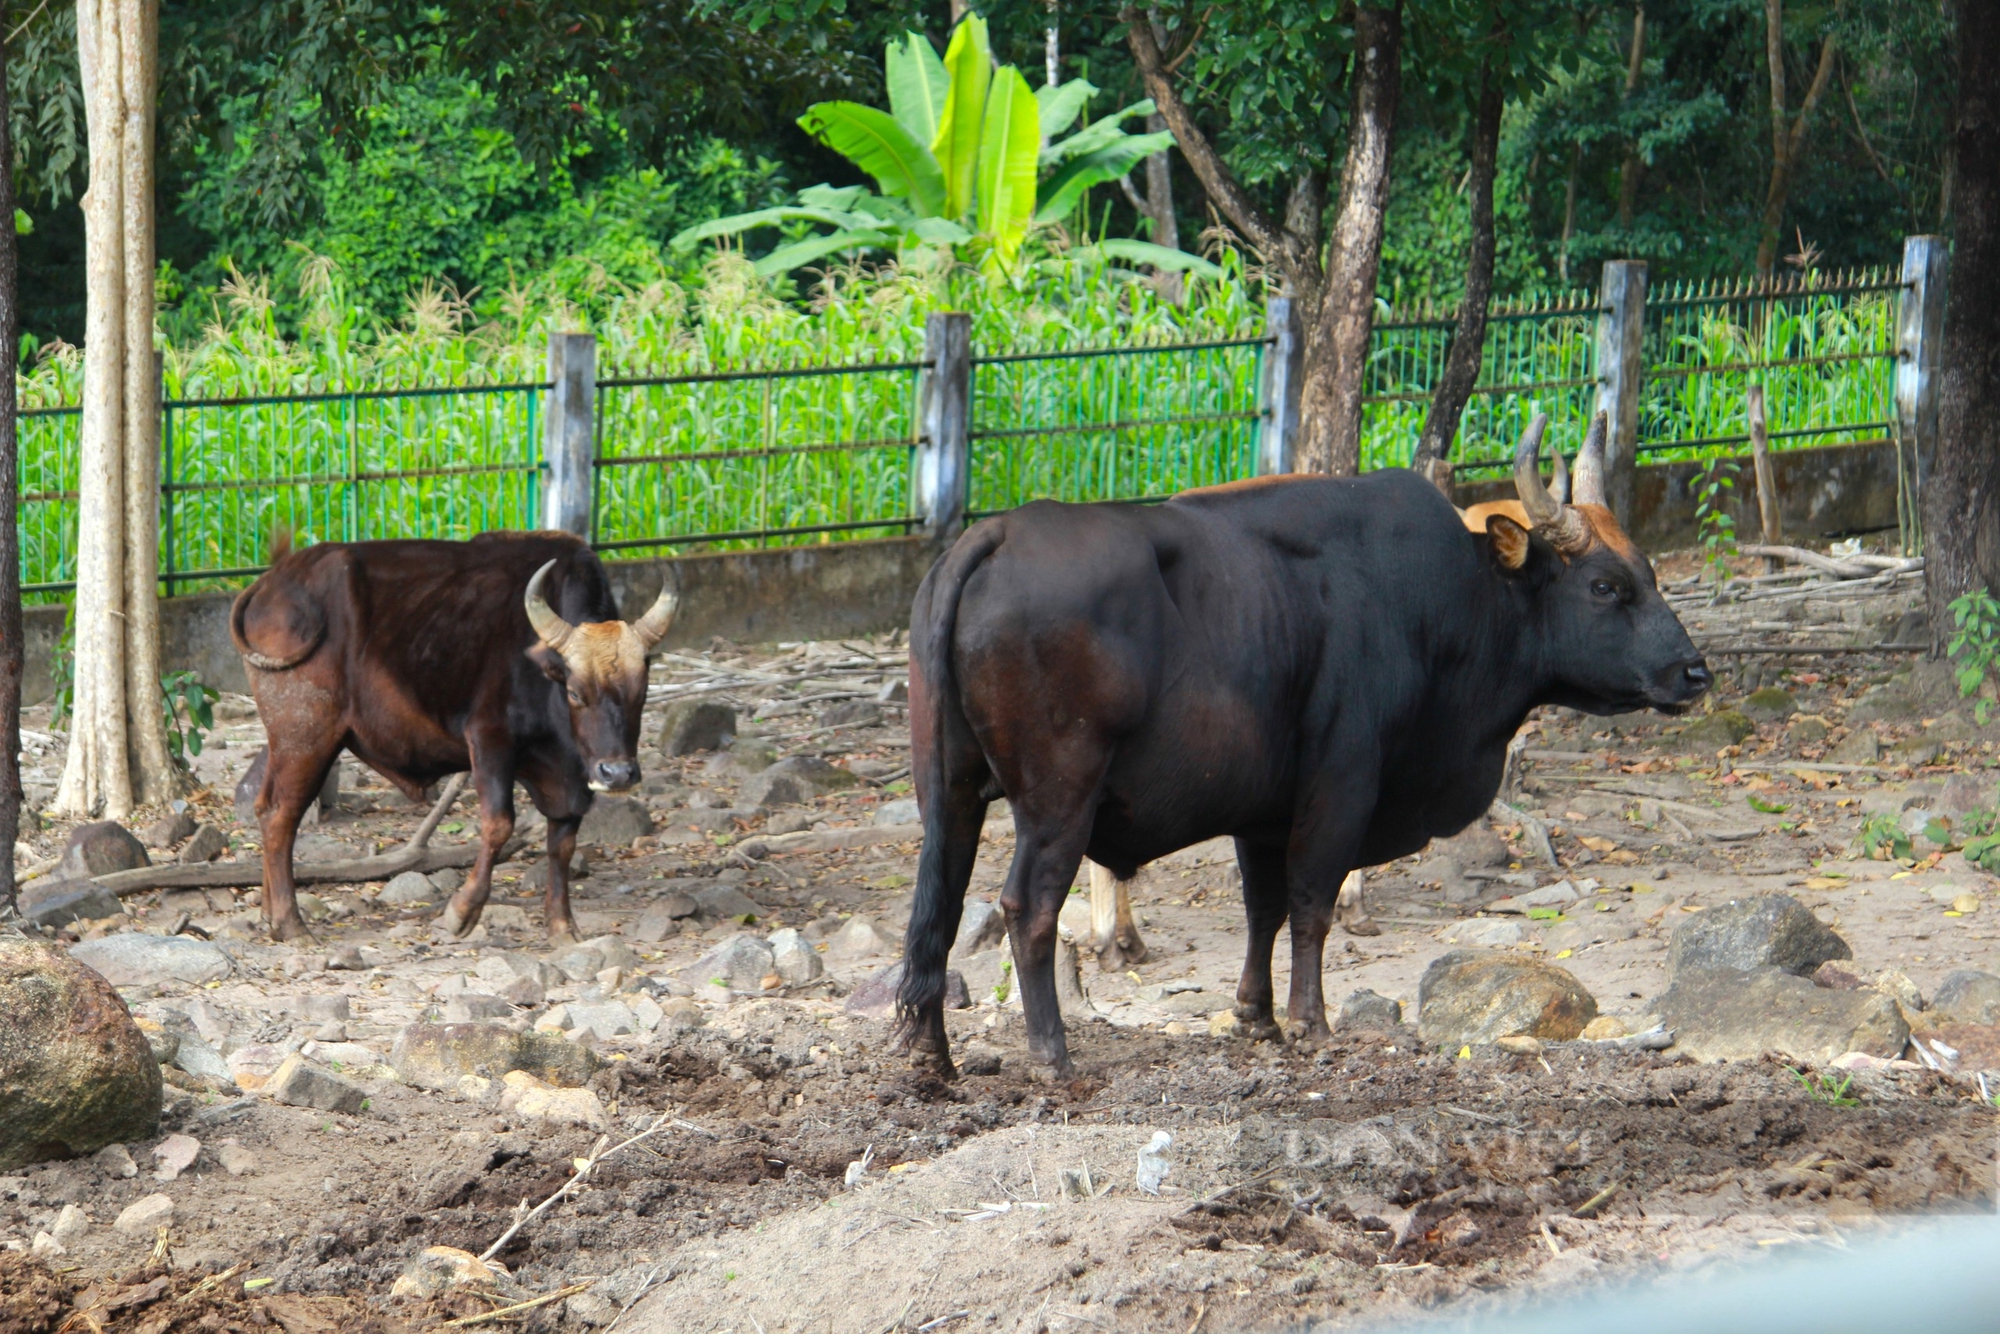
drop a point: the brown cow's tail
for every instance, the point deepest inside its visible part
(935, 911)
(304, 623)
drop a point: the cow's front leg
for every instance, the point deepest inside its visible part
(555, 902)
(1114, 935)
(493, 777)
(1265, 904)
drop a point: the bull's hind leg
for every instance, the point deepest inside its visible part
(1353, 913)
(293, 775)
(1114, 935)
(1047, 852)
(1265, 903)
(944, 868)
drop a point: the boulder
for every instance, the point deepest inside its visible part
(656, 924)
(298, 1082)
(740, 963)
(1491, 933)
(207, 844)
(1364, 1009)
(168, 829)
(613, 822)
(1808, 730)
(1470, 996)
(1965, 793)
(76, 1074)
(469, 1007)
(858, 939)
(408, 889)
(1860, 746)
(726, 903)
(529, 1097)
(1722, 1016)
(902, 811)
(981, 926)
(53, 903)
(1705, 736)
(1968, 997)
(795, 961)
(131, 959)
(876, 997)
(795, 781)
(852, 713)
(438, 1056)
(1772, 930)
(101, 848)
(605, 1019)
(692, 725)
(1477, 846)
(1772, 704)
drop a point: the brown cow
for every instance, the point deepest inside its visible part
(503, 655)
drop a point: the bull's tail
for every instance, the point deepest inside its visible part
(938, 903)
(307, 622)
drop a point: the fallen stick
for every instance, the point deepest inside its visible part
(415, 855)
(597, 1155)
(517, 1307)
(829, 840)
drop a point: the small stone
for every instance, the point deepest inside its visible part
(133, 959)
(613, 822)
(1705, 736)
(789, 822)
(894, 691)
(1224, 1024)
(648, 1012)
(523, 991)
(900, 812)
(207, 844)
(1483, 932)
(410, 887)
(1965, 903)
(1965, 793)
(794, 781)
(53, 903)
(439, 1268)
(744, 757)
(101, 848)
(318, 1008)
(70, 1225)
(45, 1246)
(738, 964)
(590, 1308)
(981, 926)
(530, 1097)
(795, 962)
(1174, 1028)
(859, 939)
(658, 923)
(1604, 1028)
(1472, 996)
(168, 830)
(852, 713)
(438, 1056)
(1772, 704)
(235, 1159)
(678, 1014)
(1520, 1044)
(726, 903)
(145, 1217)
(610, 980)
(1838, 975)
(605, 1019)
(876, 997)
(690, 726)
(1898, 987)
(1968, 997)
(1808, 730)
(1773, 929)
(330, 1031)
(1364, 1009)
(251, 1067)
(346, 957)
(175, 1154)
(117, 1160)
(1719, 1016)
(470, 1007)
(1477, 846)
(1915, 750)
(1860, 746)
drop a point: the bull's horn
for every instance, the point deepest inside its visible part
(1588, 488)
(1559, 479)
(553, 629)
(652, 627)
(1541, 508)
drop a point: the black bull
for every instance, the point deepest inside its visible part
(1328, 670)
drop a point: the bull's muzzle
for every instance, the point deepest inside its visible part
(613, 775)
(1682, 684)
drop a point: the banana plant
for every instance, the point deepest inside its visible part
(966, 156)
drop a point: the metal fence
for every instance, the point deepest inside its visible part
(815, 453)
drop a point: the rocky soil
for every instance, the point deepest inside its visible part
(338, 1109)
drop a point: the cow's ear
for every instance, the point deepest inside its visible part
(551, 663)
(1509, 539)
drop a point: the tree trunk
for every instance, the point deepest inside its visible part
(1335, 358)
(1468, 341)
(11, 654)
(1160, 208)
(1961, 518)
(1788, 133)
(117, 745)
(1630, 170)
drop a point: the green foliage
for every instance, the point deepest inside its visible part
(1005, 985)
(1882, 838)
(1824, 1086)
(1757, 803)
(1713, 522)
(1975, 643)
(1980, 835)
(187, 708)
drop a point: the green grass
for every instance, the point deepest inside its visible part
(723, 463)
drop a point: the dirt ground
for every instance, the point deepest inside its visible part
(1367, 1178)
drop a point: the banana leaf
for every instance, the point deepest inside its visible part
(1007, 151)
(1061, 191)
(763, 217)
(791, 256)
(1060, 104)
(877, 143)
(969, 63)
(917, 84)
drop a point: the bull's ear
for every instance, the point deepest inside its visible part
(551, 663)
(1509, 539)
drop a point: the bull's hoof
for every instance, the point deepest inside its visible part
(290, 928)
(456, 920)
(1257, 1025)
(1360, 924)
(1309, 1035)
(563, 933)
(1115, 956)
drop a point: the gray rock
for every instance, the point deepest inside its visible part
(438, 1056)
(795, 781)
(1705, 736)
(53, 903)
(985, 971)
(1723, 1016)
(606, 1019)
(578, 963)
(196, 1057)
(144, 1218)
(408, 888)
(298, 1082)
(689, 726)
(1476, 847)
(101, 848)
(981, 926)
(678, 904)
(740, 963)
(1809, 730)
(615, 952)
(789, 822)
(469, 1007)
(590, 1309)
(1965, 793)
(1772, 704)
(1968, 997)
(1366, 1010)
(858, 939)
(876, 997)
(1916, 750)
(1774, 929)
(657, 923)
(852, 713)
(1472, 996)
(168, 830)
(130, 959)
(207, 844)
(76, 1073)
(894, 691)
(745, 756)
(318, 1009)
(1483, 933)
(1860, 746)
(613, 822)
(448, 880)
(902, 811)
(726, 903)
(794, 959)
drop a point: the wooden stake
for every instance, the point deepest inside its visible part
(1767, 485)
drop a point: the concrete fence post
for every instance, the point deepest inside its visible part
(1621, 327)
(1278, 391)
(569, 447)
(944, 409)
(1919, 340)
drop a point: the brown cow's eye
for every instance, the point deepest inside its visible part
(575, 698)
(1604, 588)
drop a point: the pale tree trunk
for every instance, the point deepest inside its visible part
(11, 654)
(117, 749)
(1468, 343)
(1788, 133)
(1335, 358)
(1631, 168)
(1157, 207)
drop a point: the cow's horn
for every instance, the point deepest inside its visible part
(1588, 488)
(1541, 508)
(553, 629)
(652, 627)
(1559, 478)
